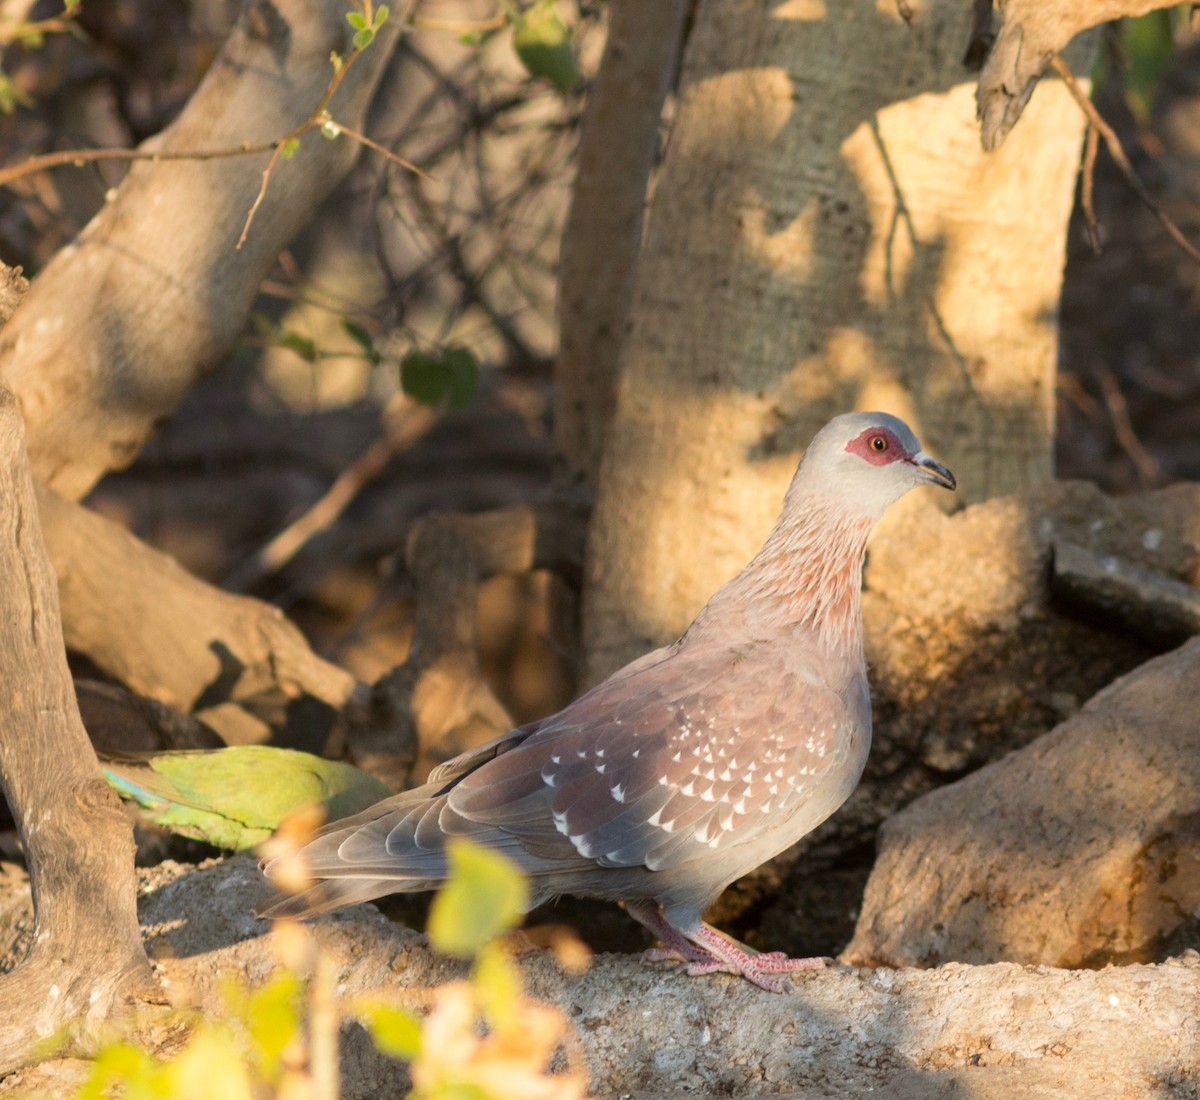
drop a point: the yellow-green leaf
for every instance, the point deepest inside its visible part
(498, 983)
(272, 1017)
(210, 1067)
(543, 44)
(394, 1032)
(484, 896)
(134, 1069)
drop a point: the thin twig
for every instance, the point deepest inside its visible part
(1149, 473)
(318, 117)
(1117, 153)
(1091, 147)
(400, 434)
(79, 157)
(323, 1024)
(458, 26)
(1069, 387)
(383, 151)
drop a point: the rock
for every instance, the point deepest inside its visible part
(1079, 849)
(987, 1032)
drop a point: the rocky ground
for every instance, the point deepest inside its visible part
(648, 1030)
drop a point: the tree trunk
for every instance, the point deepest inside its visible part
(118, 327)
(825, 234)
(617, 149)
(87, 961)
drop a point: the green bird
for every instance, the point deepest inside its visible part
(237, 796)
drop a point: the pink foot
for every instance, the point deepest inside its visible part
(707, 951)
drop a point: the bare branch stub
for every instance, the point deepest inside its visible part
(1029, 35)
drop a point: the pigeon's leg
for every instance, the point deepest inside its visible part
(707, 951)
(731, 957)
(676, 947)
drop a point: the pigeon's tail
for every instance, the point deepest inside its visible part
(328, 895)
(364, 857)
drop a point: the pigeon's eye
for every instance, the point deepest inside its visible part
(879, 443)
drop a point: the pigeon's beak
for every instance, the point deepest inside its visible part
(933, 471)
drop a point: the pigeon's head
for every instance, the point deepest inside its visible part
(868, 460)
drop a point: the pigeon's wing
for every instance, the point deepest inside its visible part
(652, 768)
(454, 769)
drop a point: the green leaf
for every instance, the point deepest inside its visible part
(362, 338)
(435, 378)
(394, 1032)
(288, 149)
(357, 333)
(362, 39)
(484, 896)
(301, 345)
(543, 44)
(357, 20)
(381, 14)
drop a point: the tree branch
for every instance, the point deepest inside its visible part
(118, 327)
(1030, 33)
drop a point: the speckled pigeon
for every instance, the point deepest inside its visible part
(694, 764)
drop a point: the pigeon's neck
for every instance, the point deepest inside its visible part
(808, 575)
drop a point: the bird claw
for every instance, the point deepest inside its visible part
(765, 971)
(780, 961)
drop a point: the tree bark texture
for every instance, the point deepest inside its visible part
(119, 326)
(1029, 34)
(87, 961)
(825, 234)
(617, 149)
